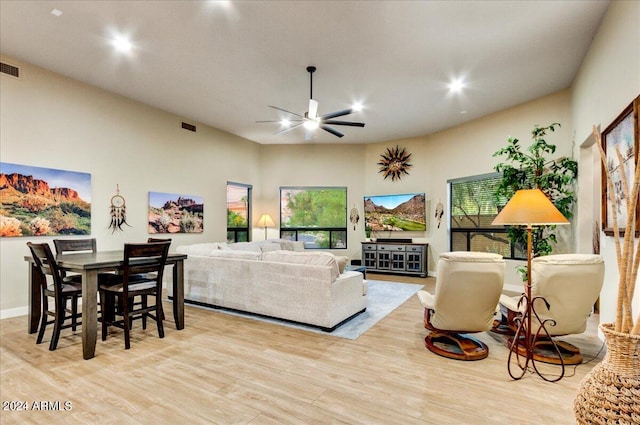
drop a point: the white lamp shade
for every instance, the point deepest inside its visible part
(265, 220)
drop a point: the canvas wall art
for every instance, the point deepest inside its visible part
(40, 201)
(174, 213)
(620, 143)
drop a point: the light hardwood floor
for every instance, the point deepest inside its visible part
(222, 369)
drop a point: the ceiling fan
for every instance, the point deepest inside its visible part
(311, 120)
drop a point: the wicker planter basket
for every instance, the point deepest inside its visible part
(610, 393)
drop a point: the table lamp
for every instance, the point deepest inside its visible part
(265, 221)
(529, 207)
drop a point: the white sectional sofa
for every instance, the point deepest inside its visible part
(309, 287)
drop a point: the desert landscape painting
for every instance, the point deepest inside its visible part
(38, 201)
(173, 213)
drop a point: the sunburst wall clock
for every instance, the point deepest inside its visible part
(395, 163)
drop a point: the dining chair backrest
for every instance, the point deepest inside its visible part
(144, 258)
(64, 246)
(149, 240)
(46, 263)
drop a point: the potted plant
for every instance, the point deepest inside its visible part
(610, 392)
(533, 169)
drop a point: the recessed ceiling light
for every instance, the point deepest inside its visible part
(56, 12)
(456, 85)
(122, 44)
(357, 107)
(285, 123)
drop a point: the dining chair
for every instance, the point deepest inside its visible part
(145, 262)
(59, 290)
(66, 246)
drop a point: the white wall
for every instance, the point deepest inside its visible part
(608, 80)
(55, 122)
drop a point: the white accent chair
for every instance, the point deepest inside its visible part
(571, 284)
(468, 287)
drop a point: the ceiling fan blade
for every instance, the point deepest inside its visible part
(336, 114)
(313, 109)
(277, 121)
(331, 130)
(284, 130)
(284, 110)
(352, 124)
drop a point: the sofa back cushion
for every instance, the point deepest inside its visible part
(200, 249)
(235, 254)
(311, 258)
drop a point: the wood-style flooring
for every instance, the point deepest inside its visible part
(222, 369)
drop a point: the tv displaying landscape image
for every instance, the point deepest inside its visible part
(395, 213)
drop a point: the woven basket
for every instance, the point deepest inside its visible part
(610, 392)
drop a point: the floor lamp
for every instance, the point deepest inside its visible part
(529, 207)
(265, 221)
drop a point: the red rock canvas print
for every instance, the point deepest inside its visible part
(174, 213)
(39, 201)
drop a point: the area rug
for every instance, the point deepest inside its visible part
(384, 297)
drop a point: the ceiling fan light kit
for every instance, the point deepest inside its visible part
(310, 120)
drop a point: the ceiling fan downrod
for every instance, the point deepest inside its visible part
(311, 70)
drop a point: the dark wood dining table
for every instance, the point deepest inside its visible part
(89, 265)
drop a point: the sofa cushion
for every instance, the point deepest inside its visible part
(244, 246)
(266, 246)
(288, 245)
(342, 262)
(235, 254)
(199, 249)
(311, 258)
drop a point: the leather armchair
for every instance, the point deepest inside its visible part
(468, 287)
(571, 284)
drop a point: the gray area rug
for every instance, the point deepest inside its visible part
(384, 297)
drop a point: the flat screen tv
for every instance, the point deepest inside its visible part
(395, 213)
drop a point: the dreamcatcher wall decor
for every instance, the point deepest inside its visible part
(395, 163)
(118, 211)
(354, 217)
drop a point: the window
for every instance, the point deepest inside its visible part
(473, 206)
(238, 212)
(315, 215)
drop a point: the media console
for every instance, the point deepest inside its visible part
(395, 256)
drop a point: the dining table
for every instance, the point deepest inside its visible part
(88, 265)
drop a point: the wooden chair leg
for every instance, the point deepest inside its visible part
(159, 314)
(43, 318)
(58, 321)
(126, 320)
(74, 313)
(106, 306)
(143, 302)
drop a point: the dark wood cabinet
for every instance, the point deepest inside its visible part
(395, 257)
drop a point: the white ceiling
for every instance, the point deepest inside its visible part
(223, 65)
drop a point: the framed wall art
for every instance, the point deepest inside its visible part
(174, 213)
(620, 136)
(39, 201)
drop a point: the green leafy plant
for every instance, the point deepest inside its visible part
(532, 168)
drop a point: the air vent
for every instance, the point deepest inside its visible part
(189, 127)
(5, 68)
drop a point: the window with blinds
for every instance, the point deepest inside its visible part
(472, 207)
